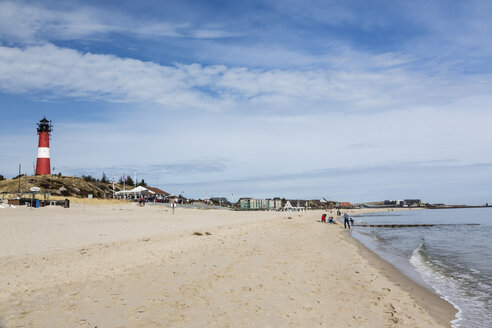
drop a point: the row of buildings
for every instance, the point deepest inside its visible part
(265, 204)
(282, 204)
(403, 203)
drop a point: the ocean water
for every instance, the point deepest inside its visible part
(452, 258)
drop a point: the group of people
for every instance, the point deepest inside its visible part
(330, 219)
(348, 222)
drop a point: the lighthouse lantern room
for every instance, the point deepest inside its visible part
(43, 162)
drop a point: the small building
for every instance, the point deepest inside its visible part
(244, 204)
(159, 194)
(221, 201)
(247, 203)
(295, 205)
(346, 205)
(274, 204)
(412, 202)
(252, 204)
(394, 202)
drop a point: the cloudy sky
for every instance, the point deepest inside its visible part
(348, 100)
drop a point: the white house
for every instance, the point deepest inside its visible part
(295, 205)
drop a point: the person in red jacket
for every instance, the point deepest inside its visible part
(323, 218)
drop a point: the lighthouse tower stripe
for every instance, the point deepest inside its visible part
(43, 166)
(43, 152)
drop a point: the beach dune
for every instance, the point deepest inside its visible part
(127, 266)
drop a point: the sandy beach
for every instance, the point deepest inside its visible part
(128, 266)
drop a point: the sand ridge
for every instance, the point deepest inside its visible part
(253, 270)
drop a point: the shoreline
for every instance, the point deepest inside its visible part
(441, 310)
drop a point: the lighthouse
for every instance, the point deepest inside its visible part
(43, 162)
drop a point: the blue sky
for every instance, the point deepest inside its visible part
(347, 100)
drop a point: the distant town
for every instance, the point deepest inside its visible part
(53, 189)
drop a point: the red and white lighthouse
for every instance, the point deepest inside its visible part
(43, 162)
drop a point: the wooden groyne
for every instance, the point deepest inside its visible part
(443, 207)
(411, 225)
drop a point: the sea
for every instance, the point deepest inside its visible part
(453, 258)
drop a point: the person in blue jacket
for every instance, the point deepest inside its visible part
(346, 221)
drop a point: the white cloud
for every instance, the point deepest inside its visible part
(30, 23)
(51, 71)
(34, 24)
(68, 73)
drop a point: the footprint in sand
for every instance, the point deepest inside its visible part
(141, 309)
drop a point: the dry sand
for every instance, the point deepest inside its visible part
(126, 266)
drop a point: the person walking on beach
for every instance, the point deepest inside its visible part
(352, 222)
(346, 221)
(323, 218)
